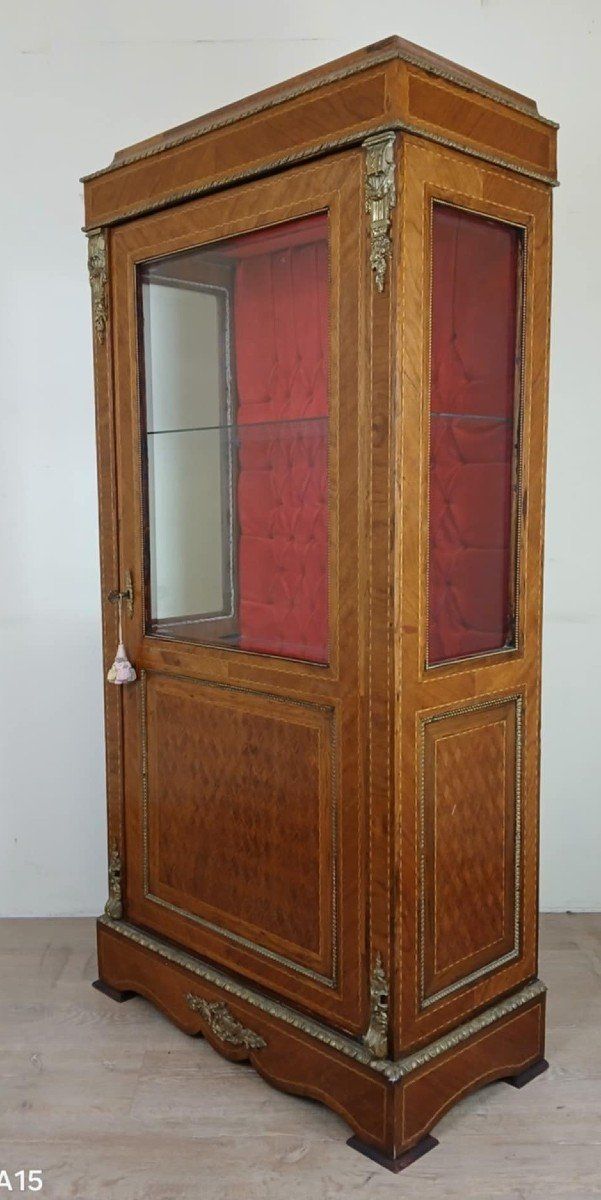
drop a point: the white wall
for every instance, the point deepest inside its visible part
(79, 79)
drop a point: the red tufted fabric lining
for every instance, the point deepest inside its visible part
(281, 348)
(473, 372)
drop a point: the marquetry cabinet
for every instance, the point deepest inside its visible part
(321, 345)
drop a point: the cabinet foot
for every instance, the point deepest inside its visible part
(112, 993)
(524, 1077)
(402, 1160)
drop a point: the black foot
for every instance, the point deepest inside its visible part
(112, 993)
(402, 1160)
(537, 1068)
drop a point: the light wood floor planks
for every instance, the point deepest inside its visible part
(113, 1103)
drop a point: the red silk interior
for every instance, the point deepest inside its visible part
(473, 374)
(281, 353)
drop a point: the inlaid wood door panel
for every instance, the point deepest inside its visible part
(239, 814)
(473, 279)
(244, 737)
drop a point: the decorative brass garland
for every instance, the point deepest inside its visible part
(358, 1051)
(376, 1037)
(98, 271)
(223, 1024)
(380, 199)
(114, 905)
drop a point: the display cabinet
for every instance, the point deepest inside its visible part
(321, 344)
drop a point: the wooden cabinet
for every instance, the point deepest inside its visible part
(321, 346)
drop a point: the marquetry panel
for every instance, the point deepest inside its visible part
(239, 816)
(386, 85)
(193, 167)
(470, 844)
(474, 118)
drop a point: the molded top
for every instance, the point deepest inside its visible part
(391, 85)
(378, 52)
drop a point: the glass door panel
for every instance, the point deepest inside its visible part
(234, 381)
(475, 385)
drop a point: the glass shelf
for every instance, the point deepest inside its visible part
(469, 416)
(284, 421)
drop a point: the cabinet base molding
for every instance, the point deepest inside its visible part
(390, 1106)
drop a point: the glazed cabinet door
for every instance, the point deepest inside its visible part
(474, 298)
(235, 324)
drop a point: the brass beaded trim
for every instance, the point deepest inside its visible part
(316, 151)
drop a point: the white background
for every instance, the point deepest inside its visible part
(77, 81)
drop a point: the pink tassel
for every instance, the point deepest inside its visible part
(121, 670)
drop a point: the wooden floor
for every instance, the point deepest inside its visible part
(113, 1103)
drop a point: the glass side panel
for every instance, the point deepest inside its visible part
(234, 375)
(474, 429)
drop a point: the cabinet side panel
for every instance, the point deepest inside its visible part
(467, 729)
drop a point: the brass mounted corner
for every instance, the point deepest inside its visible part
(380, 199)
(376, 1037)
(114, 905)
(98, 270)
(223, 1024)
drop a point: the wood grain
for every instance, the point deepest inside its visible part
(470, 826)
(241, 814)
(433, 172)
(388, 85)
